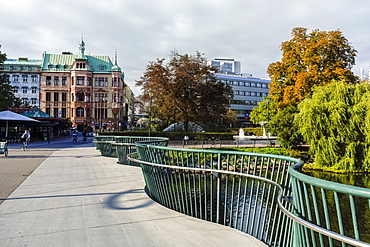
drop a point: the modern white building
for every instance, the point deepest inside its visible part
(226, 65)
(24, 76)
(248, 91)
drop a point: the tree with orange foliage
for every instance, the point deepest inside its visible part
(309, 59)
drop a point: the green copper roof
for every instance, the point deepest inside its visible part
(63, 62)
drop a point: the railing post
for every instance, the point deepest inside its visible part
(218, 188)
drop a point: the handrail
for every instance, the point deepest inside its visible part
(314, 227)
(168, 175)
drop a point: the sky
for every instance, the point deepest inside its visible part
(250, 31)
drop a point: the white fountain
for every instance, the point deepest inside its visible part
(241, 137)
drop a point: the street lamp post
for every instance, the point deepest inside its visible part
(101, 98)
(150, 112)
(48, 132)
(267, 107)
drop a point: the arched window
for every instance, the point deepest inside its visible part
(80, 112)
(80, 96)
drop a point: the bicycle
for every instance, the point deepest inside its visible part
(25, 145)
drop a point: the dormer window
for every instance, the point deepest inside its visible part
(102, 67)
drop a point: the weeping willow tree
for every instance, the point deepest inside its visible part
(335, 121)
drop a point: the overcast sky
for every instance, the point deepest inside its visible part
(249, 31)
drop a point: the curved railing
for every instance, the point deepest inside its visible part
(263, 195)
(328, 213)
(236, 189)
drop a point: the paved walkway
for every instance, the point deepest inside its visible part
(78, 198)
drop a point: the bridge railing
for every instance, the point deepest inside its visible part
(236, 189)
(330, 214)
(263, 195)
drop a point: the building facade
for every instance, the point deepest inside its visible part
(248, 91)
(24, 76)
(226, 65)
(87, 89)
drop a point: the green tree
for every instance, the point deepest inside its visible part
(7, 97)
(264, 112)
(309, 59)
(278, 123)
(335, 121)
(184, 90)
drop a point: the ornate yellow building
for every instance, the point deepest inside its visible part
(87, 89)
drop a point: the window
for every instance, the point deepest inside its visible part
(24, 100)
(64, 96)
(102, 67)
(236, 92)
(33, 101)
(34, 89)
(64, 81)
(101, 97)
(247, 84)
(48, 96)
(80, 112)
(264, 85)
(80, 80)
(64, 112)
(24, 90)
(115, 82)
(80, 96)
(101, 81)
(16, 78)
(55, 112)
(259, 85)
(88, 83)
(15, 89)
(56, 80)
(24, 78)
(56, 96)
(34, 78)
(235, 83)
(253, 84)
(48, 80)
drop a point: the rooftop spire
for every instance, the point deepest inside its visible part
(115, 58)
(82, 47)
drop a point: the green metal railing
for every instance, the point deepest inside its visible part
(121, 146)
(329, 214)
(263, 195)
(125, 145)
(236, 189)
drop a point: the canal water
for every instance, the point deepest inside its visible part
(354, 179)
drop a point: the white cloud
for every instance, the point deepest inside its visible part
(144, 30)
